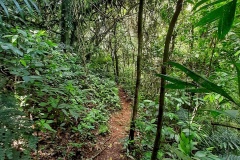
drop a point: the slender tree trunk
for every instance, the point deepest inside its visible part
(162, 85)
(115, 54)
(63, 23)
(139, 56)
(73, 36)
(112, 56)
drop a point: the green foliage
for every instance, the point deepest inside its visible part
(224, 14)
(203, 82)
(16, 139)
(52, 87)
(103, 129)
(6, 5)
(186, 144)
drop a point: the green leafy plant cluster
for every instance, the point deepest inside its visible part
(52, 89)
(16, 133)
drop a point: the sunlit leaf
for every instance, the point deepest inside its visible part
(14, 38)
(23, 62)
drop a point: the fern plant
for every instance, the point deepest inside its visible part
(222, 140)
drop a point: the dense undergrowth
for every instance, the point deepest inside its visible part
(54, 95)
(56, 99)
(187, 133)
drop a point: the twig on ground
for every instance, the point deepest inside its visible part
(102, 149)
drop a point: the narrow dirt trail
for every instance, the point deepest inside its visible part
(119, 127)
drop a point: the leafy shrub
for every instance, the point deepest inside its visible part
(16, 139)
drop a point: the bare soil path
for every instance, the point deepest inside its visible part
(112, 148)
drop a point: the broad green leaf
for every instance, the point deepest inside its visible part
(211, 17)
(14, 38)
(5, 46)
(237, 53)
(24, 33)
(23, 62)
(177, 82)
(51, 44)
(26, 78)
(17, 51)
(6, 36)
(29, 50)
(32, 78)
(226, 18)
(43, 104)
(203, 81)
(4, 7)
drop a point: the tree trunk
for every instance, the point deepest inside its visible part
(162, 84)
(73, 32)
(63, 23)
(115, 54)
(139, 56)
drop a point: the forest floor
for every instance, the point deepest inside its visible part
(105, 147)
(112, 145)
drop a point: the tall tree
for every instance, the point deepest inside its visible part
(64, 23)
(164, 72)
(138, 79)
